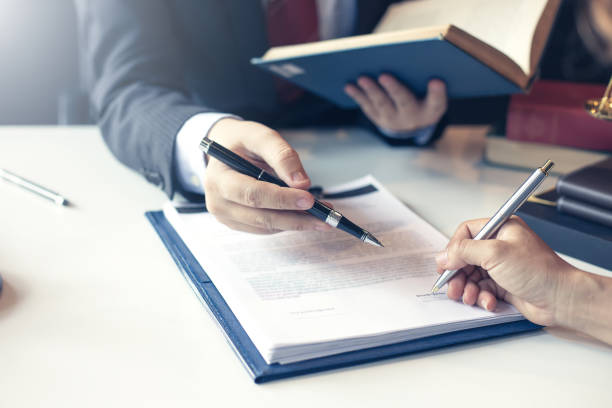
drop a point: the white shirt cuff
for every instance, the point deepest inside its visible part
(421, 136)
(188, 157)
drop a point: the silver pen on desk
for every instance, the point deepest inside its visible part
(514, 202)
(33, 187)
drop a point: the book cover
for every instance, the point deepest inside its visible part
(585, 210)
(591, 184)
(412, 62)
(416, 41)
(573, 236)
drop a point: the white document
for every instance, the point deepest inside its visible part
(301, 295)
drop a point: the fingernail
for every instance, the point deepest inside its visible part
(442, 258)
(436, 85)
(298, 176)
(485, 304)
(304, 203)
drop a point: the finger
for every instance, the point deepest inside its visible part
(473, 274)
(487, 300)
(468, 229)
(247, 191)
(274, 150)
(404, 100)
(470, 293)
(465, 230)
(456, 286)
(381, 101)
(485, 254)
(272, 220)
(435, 102)
(361, 99)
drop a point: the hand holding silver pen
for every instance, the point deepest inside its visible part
(514, 202)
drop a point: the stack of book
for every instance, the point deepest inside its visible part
(551, 123)
(587, 193)
(578, 218)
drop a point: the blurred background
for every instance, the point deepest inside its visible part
(39, 81)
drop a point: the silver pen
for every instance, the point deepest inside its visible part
(33, 187)
(514, 202)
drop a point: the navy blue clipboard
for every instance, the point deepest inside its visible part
(259, 370)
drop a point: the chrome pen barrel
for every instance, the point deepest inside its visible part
(512, 204)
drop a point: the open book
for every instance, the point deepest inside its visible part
(304, 295)
(478, 47)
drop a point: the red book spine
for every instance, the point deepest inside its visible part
(553, 113)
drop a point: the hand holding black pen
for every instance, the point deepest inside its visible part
(318, 210)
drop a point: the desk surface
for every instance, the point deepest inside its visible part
(95, 313)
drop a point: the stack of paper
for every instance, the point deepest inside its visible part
(301, 295)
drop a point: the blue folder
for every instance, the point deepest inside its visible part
(256, 366)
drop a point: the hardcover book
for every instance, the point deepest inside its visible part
(553, 113)
(591, 184)
(570, 235)
(478, 47)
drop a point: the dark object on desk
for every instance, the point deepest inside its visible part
(254, 363)
(578, 238)
(318, 210)
(591, 184)
(553, 113)
(584, 210)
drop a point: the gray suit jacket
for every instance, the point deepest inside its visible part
(149, 65)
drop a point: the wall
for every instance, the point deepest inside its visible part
(38, 59)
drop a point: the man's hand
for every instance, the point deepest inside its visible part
(516, 266)
(391, 106)
(246, 204)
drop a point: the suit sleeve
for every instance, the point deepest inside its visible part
(131, 62)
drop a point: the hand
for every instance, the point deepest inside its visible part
(391, 106)
(246, 204)
(516, 266)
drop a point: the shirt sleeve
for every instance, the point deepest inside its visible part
(189, 159)
(420, 136)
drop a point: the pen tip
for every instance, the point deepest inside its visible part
(435, 289)
(371, 239)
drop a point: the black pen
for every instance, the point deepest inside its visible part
(319, 210)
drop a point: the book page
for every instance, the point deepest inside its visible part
(328, 291)
(508, 26)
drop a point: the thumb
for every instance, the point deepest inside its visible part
(280, 156)
(465, 252)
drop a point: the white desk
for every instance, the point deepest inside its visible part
(95, 313)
